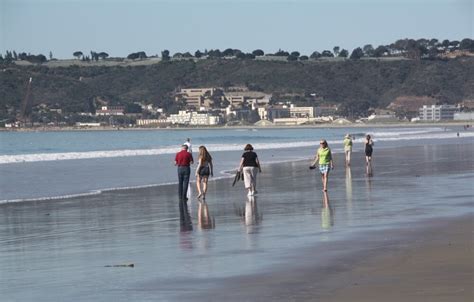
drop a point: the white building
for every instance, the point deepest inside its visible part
(110, 110)
(464, 116)
(193, 118)
(302, 111)
(437, 112)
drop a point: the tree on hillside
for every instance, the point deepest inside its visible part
(229, 52)
(214, 53)
(336, 51)
(315, 55)
(380, 51)
(165, 55)
(368, 50)
(327, 54)
(344, 53)
(467, 44)
(103, 55)
(137, 55)
(357, 54)
(198, 54)
(445, 44)
(304, 58)
(281, 53)
(292, 58)
(78, 54)
(295, 54)
(354, 109)
(258, 52)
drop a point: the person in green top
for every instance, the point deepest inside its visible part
(324, 159)
(348, 149)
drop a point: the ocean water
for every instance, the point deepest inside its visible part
(49, 165)
(63, 250)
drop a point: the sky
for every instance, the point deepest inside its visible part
(124, 26)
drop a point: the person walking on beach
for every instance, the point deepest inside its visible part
(348, 149)
(249, 164)
(203, 170)
(183, 160)
(324, 159)
(188, 143)
(369, 143)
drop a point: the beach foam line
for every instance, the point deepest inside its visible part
(377, 136)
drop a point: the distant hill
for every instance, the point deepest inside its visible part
(378, 82)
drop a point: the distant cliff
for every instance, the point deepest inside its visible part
(377, 82)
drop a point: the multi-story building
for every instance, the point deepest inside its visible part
(110, 110)
(437, 112)
(325, 110)
(194, 118)
(301, 111)
(196, 97)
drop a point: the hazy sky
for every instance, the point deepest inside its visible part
(125, 26)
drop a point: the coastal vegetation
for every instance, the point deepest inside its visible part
(367, 78)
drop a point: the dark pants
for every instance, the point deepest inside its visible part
(183, 178)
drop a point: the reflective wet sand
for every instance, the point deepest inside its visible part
(279, 245)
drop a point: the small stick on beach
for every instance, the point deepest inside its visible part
(121, 265)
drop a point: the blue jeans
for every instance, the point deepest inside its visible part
(183, 181)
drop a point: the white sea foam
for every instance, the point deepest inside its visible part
(402, 134)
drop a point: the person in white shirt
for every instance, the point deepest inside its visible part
(188, 143)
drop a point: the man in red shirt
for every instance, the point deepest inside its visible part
(183, 160)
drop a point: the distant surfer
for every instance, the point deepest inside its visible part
(324, 159)
(249, 165)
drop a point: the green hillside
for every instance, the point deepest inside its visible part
(377, 82)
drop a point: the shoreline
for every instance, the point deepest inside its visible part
(284, 244)
(323, 125)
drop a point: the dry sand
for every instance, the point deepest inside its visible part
(437, 267)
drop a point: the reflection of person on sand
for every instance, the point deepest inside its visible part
(349, 184)
(203, 171)
(326, 213)
(324, 159)
(348, 148)
(184, 217)
(205, 220)
(249, 164)
(251, 215)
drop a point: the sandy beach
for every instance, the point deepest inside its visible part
(398, 235)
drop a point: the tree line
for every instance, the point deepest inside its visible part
(408, 48)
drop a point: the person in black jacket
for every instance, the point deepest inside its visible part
(249, 165)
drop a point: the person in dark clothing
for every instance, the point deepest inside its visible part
(368, 149)
(183, 161)
(249, 165)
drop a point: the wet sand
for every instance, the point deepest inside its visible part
(398, 235)
(437, 265)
